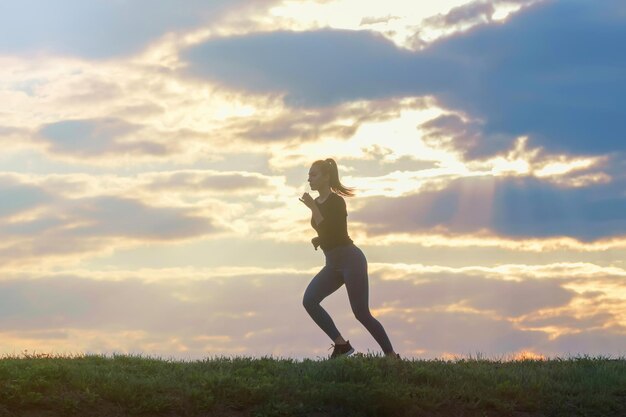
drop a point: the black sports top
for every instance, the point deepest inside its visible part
(333, 230)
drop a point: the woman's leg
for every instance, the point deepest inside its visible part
(326, 282)
(356, 280)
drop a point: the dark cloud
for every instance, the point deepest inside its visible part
(606, 342)
(64, 226)
(592, 321)
(615, 167)
(96, 137)
(100, 28)
(198, 181)
(124, 217)
(375, 20)
(504, 298)
(468, 333)
(311, 68)
(314, 123)
(374, 165)
(464, 16)
(468, 137)
(18, 198)
(555, 72)
(292, 127)
(514, 207)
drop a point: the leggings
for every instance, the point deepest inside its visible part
(344, 264)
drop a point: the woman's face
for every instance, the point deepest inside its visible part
(316, 178)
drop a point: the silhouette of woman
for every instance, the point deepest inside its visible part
(345, 262)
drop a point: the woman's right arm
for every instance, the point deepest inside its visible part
(310, 203)
(317, 214)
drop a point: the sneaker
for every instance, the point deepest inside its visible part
(342, 350)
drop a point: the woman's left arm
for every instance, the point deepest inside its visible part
(310, 203)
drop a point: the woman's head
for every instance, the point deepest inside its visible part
(325, 173)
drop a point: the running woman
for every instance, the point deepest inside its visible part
(345, 263)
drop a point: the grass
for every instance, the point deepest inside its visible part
(361, 385)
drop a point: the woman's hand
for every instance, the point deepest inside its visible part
(307, 200)
(316, 242)
(310, 203)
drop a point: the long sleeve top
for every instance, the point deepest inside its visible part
(333, 230)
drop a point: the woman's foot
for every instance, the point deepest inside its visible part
(393, 355)
(341, 349)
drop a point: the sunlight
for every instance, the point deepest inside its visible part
(397, 20)
(488, 239)
(394, 19)
(381, 142)
(522, 161)
(523, 355)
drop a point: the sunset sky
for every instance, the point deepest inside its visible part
(153, 153)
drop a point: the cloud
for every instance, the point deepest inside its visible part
(468, 333)
(82, 116)
(452, 132)
(341, 121)
(591, 321)
(468, 14)
(36, 224)
(188, 181)
(372, 20)
(230, 314)
(514, 207)
(13, 138)
(552, 72)
(122, 114)
(19, 198)
(462, 18)
(96, 137)
(126, 217)
(606, 342)
(554, 79)
(311, 68)
(197, 312)
(507, 299)
(477, 10)
(100, 28)
(7, 132)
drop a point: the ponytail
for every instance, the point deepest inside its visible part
(329, 166)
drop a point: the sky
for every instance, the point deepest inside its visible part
(153, 156)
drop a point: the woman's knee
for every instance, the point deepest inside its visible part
(363, 315)
(308, 301)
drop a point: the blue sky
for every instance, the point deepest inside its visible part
(154, 155)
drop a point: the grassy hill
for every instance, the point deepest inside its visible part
(361, 385)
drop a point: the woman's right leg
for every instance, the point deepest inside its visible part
(357, 286)
(323, 284)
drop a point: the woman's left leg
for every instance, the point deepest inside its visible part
(326, 282)
(356, 280)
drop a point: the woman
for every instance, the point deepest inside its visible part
(345, 263)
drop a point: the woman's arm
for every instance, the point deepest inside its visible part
(317, 215)
(310, 203)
